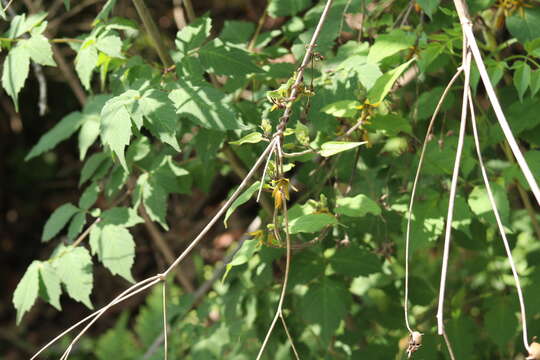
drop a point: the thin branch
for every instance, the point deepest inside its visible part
(85, 233)
(153, 32)
(466, 25)
(69, 75)
(165, 325)
(449, 346)
(413, 192)
(189, 10)
(453, 187)
(499, 224)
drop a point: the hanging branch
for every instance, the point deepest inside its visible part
(499, 225)
(466, 26)
(453, 187)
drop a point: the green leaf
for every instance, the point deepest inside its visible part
(116, 124)
(368, 75)
(501, 322)
(357, 206)
(123, 216)
(76, 225)
(106, 10)
(39, 49)
(15, 72)
(86, 61)
(67, 5)
(242, 199)
(251, 138)
(154, 198)
(91, 165)
(223, 60)
(522, 78)
(287, 7)
(60, 132)
(117, 343)
(243, 255)
(115, 248)
(429, 6)
(26, 293)
(326, 303)
(237, 32)
(389, 44)
(311, 223)
(352, 261)
(389, 124)
(535, 82)
(427, 102)
(524, 28)
(74, 266)
(193, 35)
(331, 148)
(50, 289)
(58, 220)
(481, 206)
(88, 134)
(161, 115)
(110, 44)
(384, 84)
(343, 108)
(206, 106)
(89, 196)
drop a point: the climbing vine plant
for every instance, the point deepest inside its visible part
(322, 114)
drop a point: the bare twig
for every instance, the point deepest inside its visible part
(448, 346)
(466, 25)
(165, 324)
(153, 32)
(413, 193)
(499, 224)
(453, 187)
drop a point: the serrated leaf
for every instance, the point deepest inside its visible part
(60, 132)
(76, 225)
(325, 303)
(193, 35)
(117, 343)
(331, 148)
(39, 49)
(122, 216)
(115, 248)
(91, 165)
(481, 206)
(50, 289)
(343, 108)
(311, 223)
(389, 44)
(206, 106)
(224, 60)
(116, 124)
(237, 32)
(15, 72)
(74, 266)
(161, 115)
(357, 206)
(384, 84)
(154, 198)
(353, 261)
(242, 199)
(58, 219)
(27, 290)
(522, 78)
(86, 62)
(287, 7)
(110, 44)
(251, 138)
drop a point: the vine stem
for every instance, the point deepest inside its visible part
(453, 188)
(466, 26)
(499, 225)
(413, 193)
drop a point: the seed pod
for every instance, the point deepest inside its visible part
(534, 351)
(416, 338)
